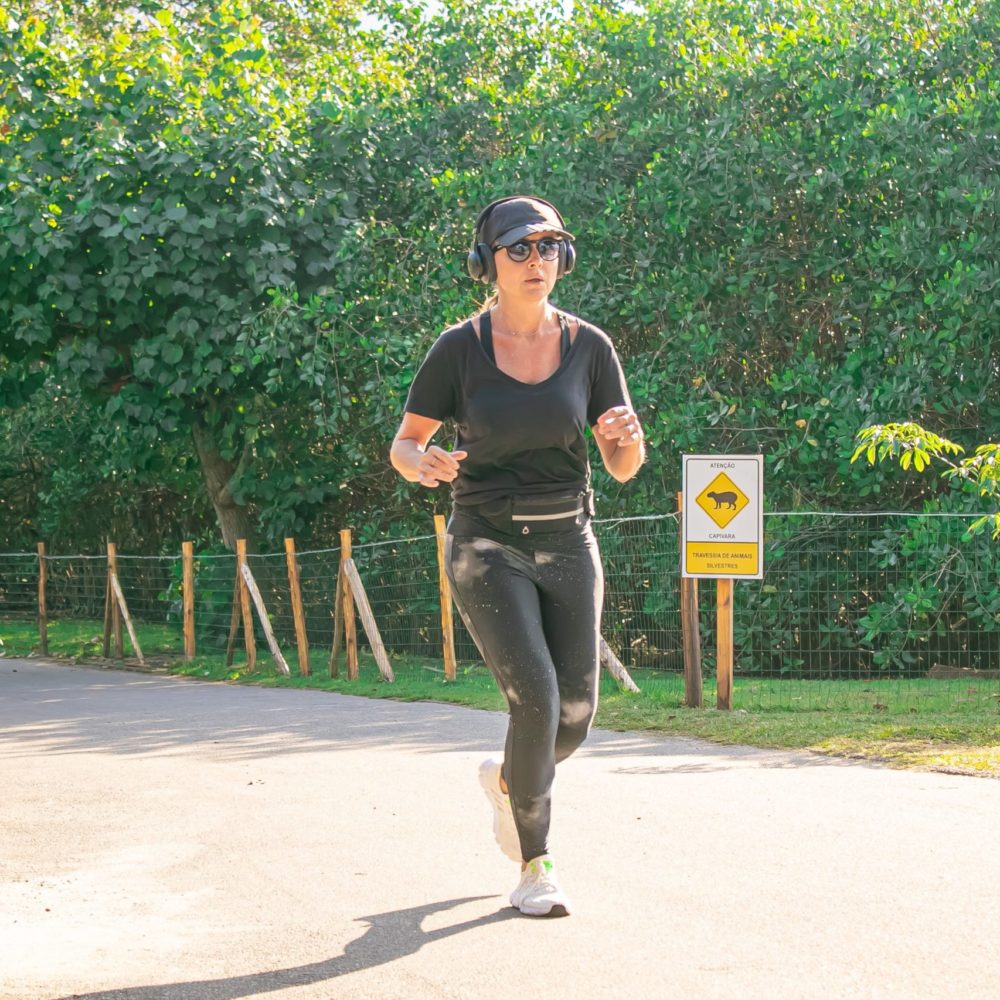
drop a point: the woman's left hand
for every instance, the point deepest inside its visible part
(620, 426)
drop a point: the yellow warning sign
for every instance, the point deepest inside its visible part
(722, 500)
(722, 530)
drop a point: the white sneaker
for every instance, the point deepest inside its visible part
(538, 893)
(504, 828)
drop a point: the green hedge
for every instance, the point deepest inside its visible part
(786, 218)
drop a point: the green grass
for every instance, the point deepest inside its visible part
(82, 639)
(940, 724)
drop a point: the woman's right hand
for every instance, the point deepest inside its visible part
(438, 466)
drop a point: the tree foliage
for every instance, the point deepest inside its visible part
(248, 226)
(158, 186)
(915, 446)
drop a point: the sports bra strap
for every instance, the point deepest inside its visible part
(486, 335)
(564, 340)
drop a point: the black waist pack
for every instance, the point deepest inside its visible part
(545, 514)
(532, 515)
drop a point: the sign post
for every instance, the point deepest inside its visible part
(723, 539)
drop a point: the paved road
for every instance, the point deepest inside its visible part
(162, 838)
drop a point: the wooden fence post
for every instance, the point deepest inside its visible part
(690, 633)
(248, 637)
(123, 608)
(368, 620)
(187, 597)
(348, 590)
(108, 601)
(350, 629)
(116, 616)
(43, 618)
(118, 611)
(616, 668)
(301, 635)
(724, 655)
(265, 622)
(444, 589)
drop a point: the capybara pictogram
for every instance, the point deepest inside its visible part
(727, 499)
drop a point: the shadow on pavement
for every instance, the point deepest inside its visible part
(58, 710)
(389, 936)
(77, 710)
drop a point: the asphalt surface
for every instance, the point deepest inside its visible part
(164, 838)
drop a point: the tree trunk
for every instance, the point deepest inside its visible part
(234, 519)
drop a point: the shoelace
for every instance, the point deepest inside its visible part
(544, 877)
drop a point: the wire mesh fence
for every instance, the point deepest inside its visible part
(214, 584)
(18, 585)
(885, 612)
(882, 611)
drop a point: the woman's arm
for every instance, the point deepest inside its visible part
(619, 437)
(414, 460)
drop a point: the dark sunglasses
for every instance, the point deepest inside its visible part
(519, 252)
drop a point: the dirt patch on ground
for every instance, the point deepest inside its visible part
(951, 758)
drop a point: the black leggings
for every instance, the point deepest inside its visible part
(533, 609)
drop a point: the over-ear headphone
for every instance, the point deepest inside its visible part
(481, 262)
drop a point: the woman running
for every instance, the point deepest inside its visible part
(522, 381)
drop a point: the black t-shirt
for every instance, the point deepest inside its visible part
(522, 439)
